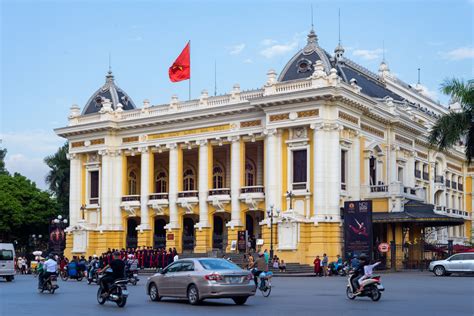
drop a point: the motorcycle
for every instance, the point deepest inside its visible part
(372, 287)
(94, 277)
(50, 284)
(343, 270)
(71, 272)
(118, 293)
(133, 277)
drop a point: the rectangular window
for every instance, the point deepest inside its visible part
(299, 169)
(343, 169)
(94, 187)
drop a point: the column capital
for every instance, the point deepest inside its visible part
(233, 139)
(202, 142)
(72, 156)
(270, 132)
(143, 149)
(172, 145)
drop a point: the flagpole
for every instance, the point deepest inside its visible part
(189, 69)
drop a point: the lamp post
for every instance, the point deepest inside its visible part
(56, 241)
(270, 213)
(289, 195)
(83, 207)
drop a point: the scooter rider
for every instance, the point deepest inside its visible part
(93, 266)
(260, 265)
(49, 267)
(113, 271)
(359, 271)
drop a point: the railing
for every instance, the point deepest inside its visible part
(454, 185)
(378, 188)
(343, 186)
(439, 179)
(158, 196)
(439, 208)
(418, 174)
(448, 183)
(293, 86)
(223, 191)
(299, 185)
(94, 201)
(130, 198)
(409, 190)
(460, 187)
(185, 194)
(253, 189)
(426, 176)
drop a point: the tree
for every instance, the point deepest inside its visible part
(58, 177)
(457, 124)
(3, 153)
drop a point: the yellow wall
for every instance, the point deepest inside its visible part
(380, 205)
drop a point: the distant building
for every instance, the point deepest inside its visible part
(191, 174)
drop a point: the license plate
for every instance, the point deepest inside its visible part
(125, 292)
(234, 279)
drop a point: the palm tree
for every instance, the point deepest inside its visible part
(58, 177)
(457, 124)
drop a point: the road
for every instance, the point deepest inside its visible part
(409, 293)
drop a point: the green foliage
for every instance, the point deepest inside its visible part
(58, 177)
(3, 153)
(24, 208)
(456, 125)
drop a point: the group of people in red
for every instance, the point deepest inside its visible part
(148, 258)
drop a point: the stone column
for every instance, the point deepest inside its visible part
(75, 185)
(354, 165)
(173, 187)
(117, 190)
(235, 175)
(144, 188)
(319, 190)
(106, 188)
(333, 171)
(203, 183)
(271, 184)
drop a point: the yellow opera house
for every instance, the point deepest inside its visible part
(193, 174)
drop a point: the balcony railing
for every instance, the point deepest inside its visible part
(253, 189)
(378, 188)
(94, 201)
(299, 185)
(409, 190)
(426, 176)
(158, 196)
(439, 179)
(343, 186)
(454, 185)
(223, 191)
(418, 174)
(448, 183)
(185, 194)
(460, 187)
(130, 198)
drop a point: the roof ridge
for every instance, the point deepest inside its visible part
(362, 69)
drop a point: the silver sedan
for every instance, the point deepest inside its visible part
(200, 278)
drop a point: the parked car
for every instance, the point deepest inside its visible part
(458, 263)
(7, 263)
(202, 278)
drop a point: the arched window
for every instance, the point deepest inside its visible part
(161, 182)
(249, 173)
(218, 177)
(188, 180)
(132, 183)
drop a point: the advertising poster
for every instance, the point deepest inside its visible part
(358, 237)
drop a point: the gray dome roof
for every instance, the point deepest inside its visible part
(302, 64)
(108, 91)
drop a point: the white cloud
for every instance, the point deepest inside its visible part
(268, 42)
(248, 61)
(32, 168)
(368, 54)
(236, 49)
(459, 53)
(433, 94)
(279, 49)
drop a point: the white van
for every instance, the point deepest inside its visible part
(7, 265)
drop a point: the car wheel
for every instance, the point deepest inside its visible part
(154, 294)
(439, 271)
(193, 295)
(240, 300)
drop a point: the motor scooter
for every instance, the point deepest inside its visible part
(372, 287)
(50, 284)
(118, 293)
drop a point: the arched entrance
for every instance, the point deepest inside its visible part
(188, 234)
(132, 236)
(219, 233)
(252, 226)
(159, 234)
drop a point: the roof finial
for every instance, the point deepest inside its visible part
(312, 24)
(339, 25)
(109, 77)
(419, 71)
(110, 63)
(339, 51)
(383, 50)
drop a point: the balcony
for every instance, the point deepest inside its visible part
(158, 202)
(460, 187)
(417, 173)
(223, 191)
(131, 198)
(447, 183)
(408, 190)
(343, 186)
(188, 194)
(426, 176)
(187, 200)
(378, 188)
(395, 189)
(454, 185)
(439, 179)
(219, 198)
(252, 195)
(130, 203)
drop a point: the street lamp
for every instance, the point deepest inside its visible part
(271, 214)
(289, 195)
(83, 207)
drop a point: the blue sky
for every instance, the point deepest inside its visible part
(55, 53)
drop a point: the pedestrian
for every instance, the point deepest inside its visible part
(317, 266)
(266, 255)
(324, 264)
(282, 266)
(250, 262)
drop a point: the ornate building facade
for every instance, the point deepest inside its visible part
(191, 174)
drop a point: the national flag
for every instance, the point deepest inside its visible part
(181, 68)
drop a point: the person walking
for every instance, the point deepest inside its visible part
(324, 264)
(266, 255)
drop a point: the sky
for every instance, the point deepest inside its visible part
(56, 53)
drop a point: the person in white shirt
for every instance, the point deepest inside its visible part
(49, 267)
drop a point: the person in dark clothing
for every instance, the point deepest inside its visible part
(113, 271)
(359, 271)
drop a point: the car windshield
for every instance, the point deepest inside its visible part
(218, 264)
(6, 254)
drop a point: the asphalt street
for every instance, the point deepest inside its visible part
(406, 294)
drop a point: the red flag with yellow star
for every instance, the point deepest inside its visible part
(181, 68)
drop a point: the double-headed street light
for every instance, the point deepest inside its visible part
(271, 213)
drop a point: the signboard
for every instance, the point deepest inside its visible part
(358, 237)
(259, 242)
(233, 245)
(170, 237)
(242, 240)
(57, 238)
(384, 247)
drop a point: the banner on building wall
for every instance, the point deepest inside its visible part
(242, 240)
(358, 238)
(57, 239)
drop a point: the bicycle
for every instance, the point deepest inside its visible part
(265, 285)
